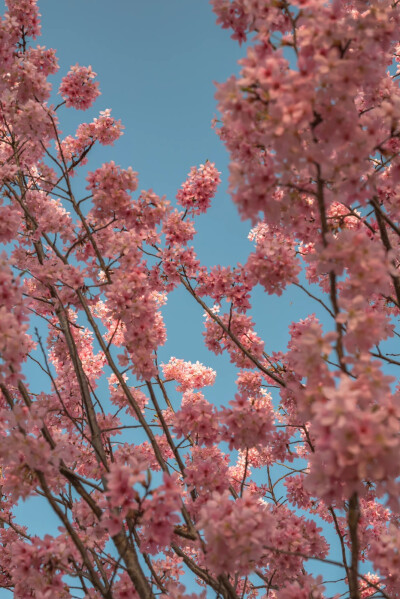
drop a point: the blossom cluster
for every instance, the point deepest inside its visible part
(78, 88)
(200, 187)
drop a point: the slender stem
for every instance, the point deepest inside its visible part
(353, 518)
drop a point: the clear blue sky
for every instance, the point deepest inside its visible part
(156, 61)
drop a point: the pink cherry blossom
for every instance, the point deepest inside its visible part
(164, 485)
(235, 532)
(196, 193)
(78, 88)
(188, 375)
(247, 422)
(198, 418)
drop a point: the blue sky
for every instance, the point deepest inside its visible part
(156, 61)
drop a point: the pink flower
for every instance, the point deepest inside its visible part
(196, 193)
(235, 532)
(78, 88)
(160, 514)
(188, 375)
(197, 418)
(248, 422)
(306, 589)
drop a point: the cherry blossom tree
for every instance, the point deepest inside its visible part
(233, 495)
